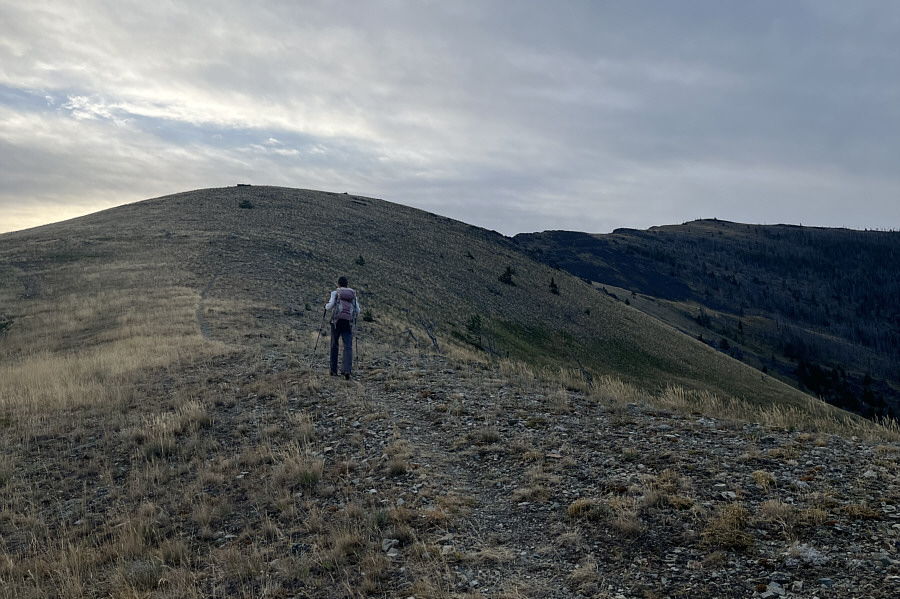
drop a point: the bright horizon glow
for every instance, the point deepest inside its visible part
(513, 116)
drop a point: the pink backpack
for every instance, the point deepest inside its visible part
(345, 306)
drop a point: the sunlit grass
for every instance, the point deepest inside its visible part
(120, 339)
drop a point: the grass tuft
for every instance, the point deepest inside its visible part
(727, 529)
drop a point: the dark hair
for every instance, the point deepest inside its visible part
(342, 281)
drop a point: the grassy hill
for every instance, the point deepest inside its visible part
(816, 307)
(269, 268)
(166, 429)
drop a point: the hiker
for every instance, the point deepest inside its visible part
(343, 322)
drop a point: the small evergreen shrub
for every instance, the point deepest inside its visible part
(246, 204)
(474, 325)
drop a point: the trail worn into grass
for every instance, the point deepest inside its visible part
(201, 307)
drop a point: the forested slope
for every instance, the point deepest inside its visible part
(817, 306)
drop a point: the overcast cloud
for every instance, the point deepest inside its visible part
(514, 115)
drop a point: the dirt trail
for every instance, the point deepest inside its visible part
(201, 319)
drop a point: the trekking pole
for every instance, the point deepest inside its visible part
(316, 346)
(356, 329)
(358, 357)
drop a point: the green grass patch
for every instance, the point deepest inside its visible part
(533, 345)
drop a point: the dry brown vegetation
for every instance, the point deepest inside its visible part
(166, 431)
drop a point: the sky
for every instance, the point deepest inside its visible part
(514, 115)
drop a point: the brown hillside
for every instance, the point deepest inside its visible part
(166, 429)
(273, 264)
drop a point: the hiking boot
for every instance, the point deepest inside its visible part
(347, 375)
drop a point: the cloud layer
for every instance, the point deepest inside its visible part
(517, 115)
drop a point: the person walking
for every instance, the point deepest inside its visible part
(344, 307)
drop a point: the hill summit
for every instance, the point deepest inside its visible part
(266, 257)
(168, 426)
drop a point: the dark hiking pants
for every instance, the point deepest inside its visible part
(342, 330)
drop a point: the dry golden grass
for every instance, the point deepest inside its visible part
(815, 415)
(586, 577)
(860, 511)
(297, 466)
(764, 479)
(88, 349)
(588, 508)
(788, 519)
(625, 515)
(302, 426)
(727, 529)
(777, 512)
(489, 556)
(614, 393)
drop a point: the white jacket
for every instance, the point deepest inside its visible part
(334, 295)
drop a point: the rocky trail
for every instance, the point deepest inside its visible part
(562, 494)
(424, 477)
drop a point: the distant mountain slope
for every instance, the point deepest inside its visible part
(264, 258)
(818, 307)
